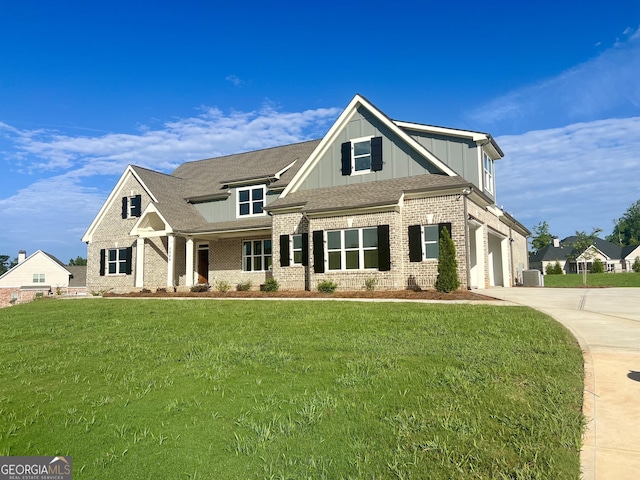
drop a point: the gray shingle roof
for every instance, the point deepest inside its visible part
(382, 192)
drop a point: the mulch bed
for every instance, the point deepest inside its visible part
(381, 294)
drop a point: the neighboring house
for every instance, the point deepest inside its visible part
(614, 257)
(367, 201)
(40, 274)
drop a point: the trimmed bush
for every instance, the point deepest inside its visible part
(244, 286)
(554, 269)
(597, 266)
(447, 280)
(271, 285)
(201, 287)
(370, 284)
(327, 286)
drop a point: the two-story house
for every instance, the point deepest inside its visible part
(367, 201)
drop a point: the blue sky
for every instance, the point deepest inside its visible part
(87, 88)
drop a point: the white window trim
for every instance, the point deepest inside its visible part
(250, 189)
(353, 158)
(117, 261)
(424, 242)
(252, 255)
(343, 251)
(38, 278)
(488, 176)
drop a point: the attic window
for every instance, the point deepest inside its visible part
(251, 201)
(38, 277)
(362, 155)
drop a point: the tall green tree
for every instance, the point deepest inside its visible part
(6, 264)
(627, 229)
(79, 261)
(447, 280)
(541, 237)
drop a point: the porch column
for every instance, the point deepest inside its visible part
(189, 262)
(139, 262)
(171, 258)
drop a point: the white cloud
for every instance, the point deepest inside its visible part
(604, 86)
(575, 177)
(234, 80)
(68, 177)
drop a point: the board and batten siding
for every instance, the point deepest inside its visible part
(225, 210)
(399, 160)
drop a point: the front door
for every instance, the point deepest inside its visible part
(203, 264)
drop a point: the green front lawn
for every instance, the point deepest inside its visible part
(172, 389)
(630, 279)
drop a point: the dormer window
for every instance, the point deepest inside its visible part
(488, 173)
(362, 155)
(251, 201)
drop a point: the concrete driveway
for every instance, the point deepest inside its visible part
(606, 322)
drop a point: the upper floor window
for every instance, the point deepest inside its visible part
(488, 173)
(38, 278)
(132, 206)
(362, 155)
(251, 201)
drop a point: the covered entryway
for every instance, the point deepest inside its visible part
(497, 259)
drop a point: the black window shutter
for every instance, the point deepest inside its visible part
(318, 251)
(443, 225)
(384, 249)
(125, 207)
(103, 260)
(136, 206)
(376, 154)
(415, 243)
(127, 265)
(346, 158)
(284, 250)
(305, 249)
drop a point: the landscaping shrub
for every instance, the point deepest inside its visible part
(597, 266)
(201, 287)
(447, 280)
(271, 285)
(370, 284)
(244, 286)
(223, 286)
(636, 265)
(554, 269)
(327, 286)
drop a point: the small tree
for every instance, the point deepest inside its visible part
(79, 261)
(584, 251)
(636, 265)
(447, 280)
(597, 266)
(541, 237)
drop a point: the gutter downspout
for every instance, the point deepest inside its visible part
(467, 251)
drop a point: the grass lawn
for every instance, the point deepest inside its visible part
(630, 279)
(195, 389)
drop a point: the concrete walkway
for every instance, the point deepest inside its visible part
(606, 322)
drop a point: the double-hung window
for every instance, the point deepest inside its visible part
(251, 201)
(256, 255)
(488, 173)
(131, 206)
(296, 244)
(352, 249)
(431, 241)
(38, 277)
(424, 241)
(362, 155)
